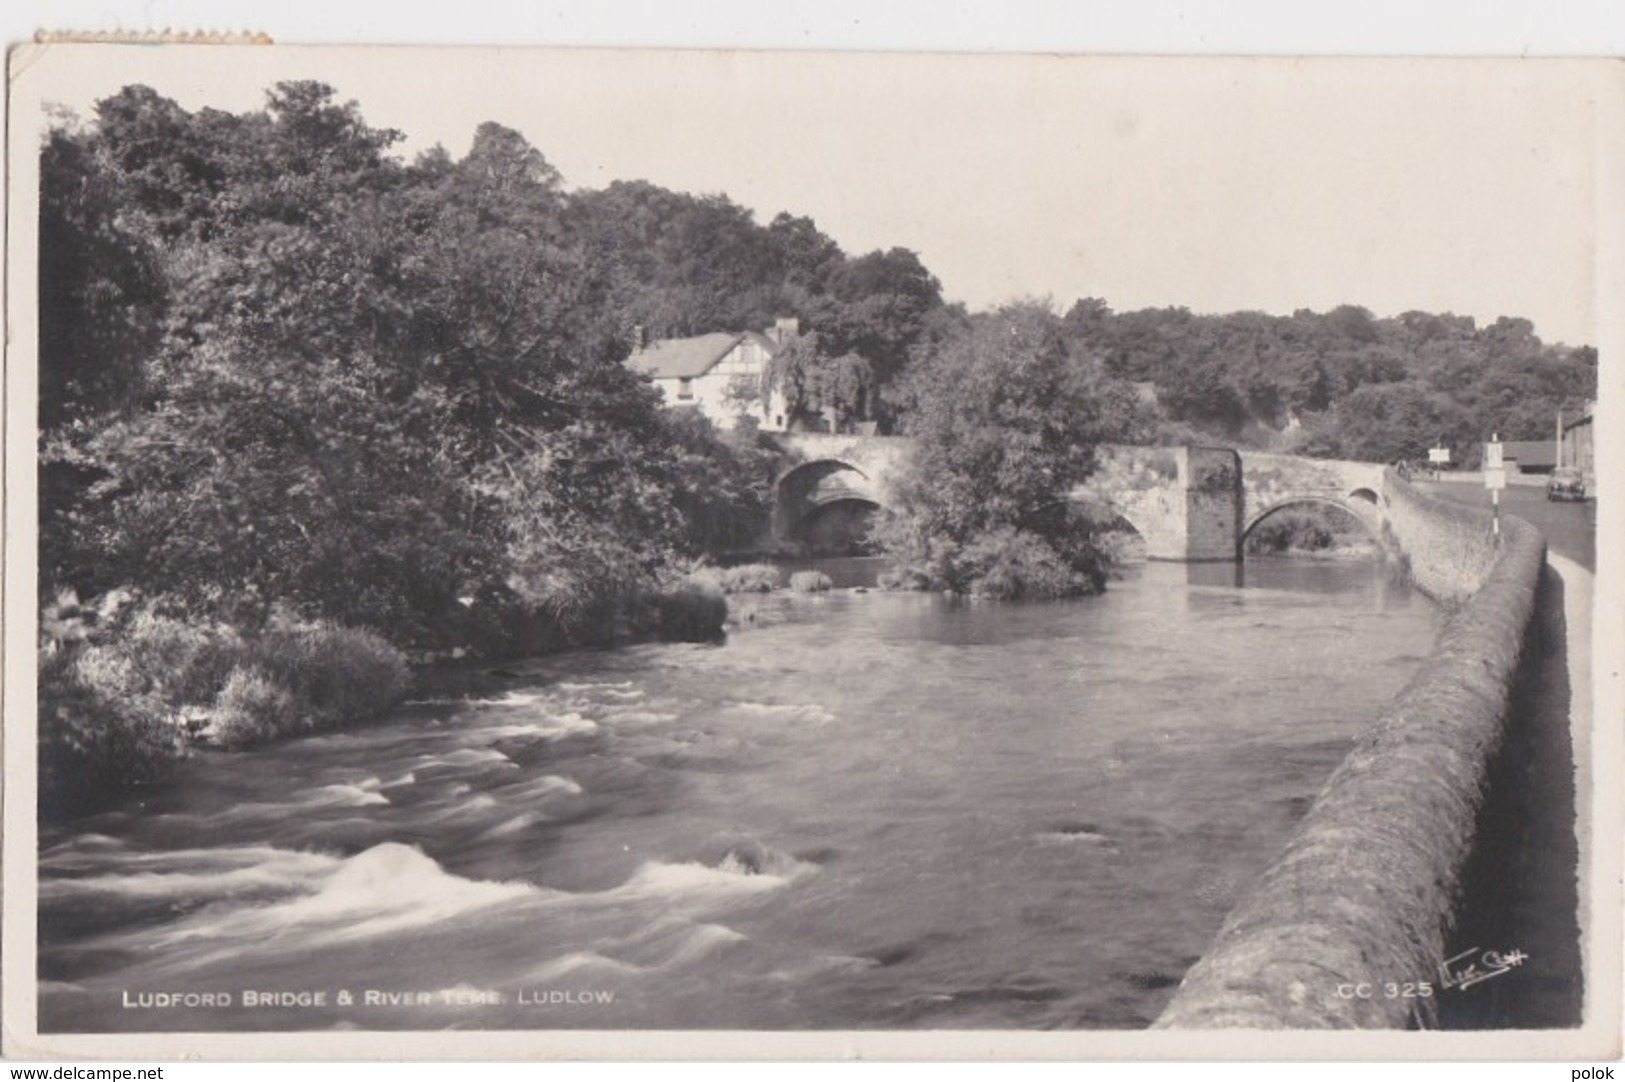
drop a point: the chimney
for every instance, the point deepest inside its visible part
(637, 337)
(786, 328)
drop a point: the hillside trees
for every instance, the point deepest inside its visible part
(1341, 383)
(684, 265)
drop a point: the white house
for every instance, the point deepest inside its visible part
(719, 374)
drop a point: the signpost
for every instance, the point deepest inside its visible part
(1495, 477)
(1438, 458)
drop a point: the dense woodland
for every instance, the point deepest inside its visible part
(296, 391)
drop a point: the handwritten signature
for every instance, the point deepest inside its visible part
(1472, 966)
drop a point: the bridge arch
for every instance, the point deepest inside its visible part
(1360, 508)
(826, 505)
(1126, 524)
(1366, 495)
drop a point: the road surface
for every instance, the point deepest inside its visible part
(1570, 528)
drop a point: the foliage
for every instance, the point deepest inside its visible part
(106, 284)
(749, 579)
(692, 610)
(1287, 532)
(819, 390)
(291, 371)
(810, 582)
(337, 675)
(101, 729)
(1007, 563)
(721, 482)
(125, 691)
(685, 265)
(183, 663)
(1339, 384)
(252, 708)
(1004, 424)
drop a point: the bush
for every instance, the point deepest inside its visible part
(1120, 546)
(902, 578)
(122, 699)
(253, 708)
(1005, 563)
(1011, 564)
(691, 611)
(749, 579)
(184, 663)
(336, 675)
(810, 582)
(101, 729)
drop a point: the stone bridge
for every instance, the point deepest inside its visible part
(1200, 503)
(830, 486)
(1187, 503)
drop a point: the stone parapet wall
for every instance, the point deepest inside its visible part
(1448, 546)
(1365, 894)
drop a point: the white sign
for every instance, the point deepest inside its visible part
(1496, 477)
(1438, 454)
(1492, 456)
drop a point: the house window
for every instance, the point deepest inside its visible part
(685, 389)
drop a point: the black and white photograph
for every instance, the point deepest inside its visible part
(527, 549)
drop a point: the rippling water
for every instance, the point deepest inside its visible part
(865, 810)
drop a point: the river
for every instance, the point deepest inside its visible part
(864, 810)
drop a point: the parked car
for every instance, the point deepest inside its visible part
(1566, 484)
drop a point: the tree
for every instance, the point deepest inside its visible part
(1004, 427)
(807, 256)
(877, 309)
(102, 294)
(819, 388)
(721, 483)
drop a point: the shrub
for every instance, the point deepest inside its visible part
(1120, 546)
(691, 611)
(750, 579)
(338, 674)
(253, 708)
(1010, 564)
(901, 578)
(101, 729)
(810, 582)
(186, 664)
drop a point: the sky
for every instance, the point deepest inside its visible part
(1218, 185)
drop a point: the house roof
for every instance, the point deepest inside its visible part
(685, 358)
(1530, 452)
(1584, 417)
